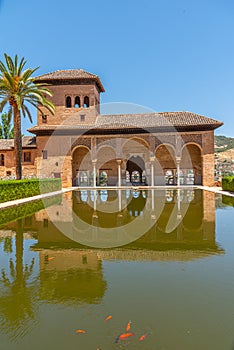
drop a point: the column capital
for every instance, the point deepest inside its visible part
(152, 159)
(119, 161)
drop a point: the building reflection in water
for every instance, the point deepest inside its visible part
(183, 228)
(182, 222)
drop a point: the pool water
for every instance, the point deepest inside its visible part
(162, 259)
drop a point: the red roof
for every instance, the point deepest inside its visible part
(70, 74)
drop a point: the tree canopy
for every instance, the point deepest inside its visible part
(6, 128)
(18, 89)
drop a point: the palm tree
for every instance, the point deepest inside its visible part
(17, 88)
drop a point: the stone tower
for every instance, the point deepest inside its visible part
(76, 96)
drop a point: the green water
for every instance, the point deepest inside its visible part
(162, 259)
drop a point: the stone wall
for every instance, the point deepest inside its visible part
(71, 116)
(61, 149)
(208, 158)
(28, 168)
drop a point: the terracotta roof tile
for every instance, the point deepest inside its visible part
(151, 120)
(179, 120)
(27, 141)
(6, 144)
(68, 74)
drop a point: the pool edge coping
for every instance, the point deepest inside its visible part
(20, 201)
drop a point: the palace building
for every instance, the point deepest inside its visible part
(86, 148)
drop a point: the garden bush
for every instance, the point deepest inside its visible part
(16, 189)
(228, 183)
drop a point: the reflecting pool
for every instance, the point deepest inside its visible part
(163, 259)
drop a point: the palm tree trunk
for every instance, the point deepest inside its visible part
(19, 248)
(18, 143)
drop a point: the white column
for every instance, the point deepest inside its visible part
(152, 199)
(119, 172)
(120, 200)
(153, 216)
(178, 200)
(94, 173)
(178, 170)
(95, 200)
(152, 160)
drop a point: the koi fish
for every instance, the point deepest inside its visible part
(126, 335)
(51, 258)
(108, 318)
(142, 337)
(128, 326)
(80, 331)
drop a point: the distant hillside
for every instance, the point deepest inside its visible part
(223, 143)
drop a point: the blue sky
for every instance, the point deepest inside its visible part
(166, 55)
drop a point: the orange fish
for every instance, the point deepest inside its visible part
(126, 335)
(142, 337)
(80, 331)
(51, 258)
(108, 318)
(128, 326)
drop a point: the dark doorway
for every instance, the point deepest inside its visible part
(136, 169)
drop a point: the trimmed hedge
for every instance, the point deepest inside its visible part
(228, 183)
(16, 189)
(20, 211)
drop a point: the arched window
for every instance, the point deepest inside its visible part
(86, 102)
(77, 102)
(68, 102)
(2, 160)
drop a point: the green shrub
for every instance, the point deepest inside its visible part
(16, 189)
(228, 183)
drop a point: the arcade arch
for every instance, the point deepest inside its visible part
(107, 170)
(191, 164)
(135, 152)
(81, 166)
(165, 165)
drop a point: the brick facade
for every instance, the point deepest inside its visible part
(77, 141)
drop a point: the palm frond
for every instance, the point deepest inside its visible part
(8, 79)
(9, 114)
(17, 86)
(27, 74)
(26, 111)
(18, 99)
(2, 67)
(35, 104)
(21, 66)
(3, 103)
(9, 63)
(16, 62)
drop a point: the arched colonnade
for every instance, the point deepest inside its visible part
(134, 163)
